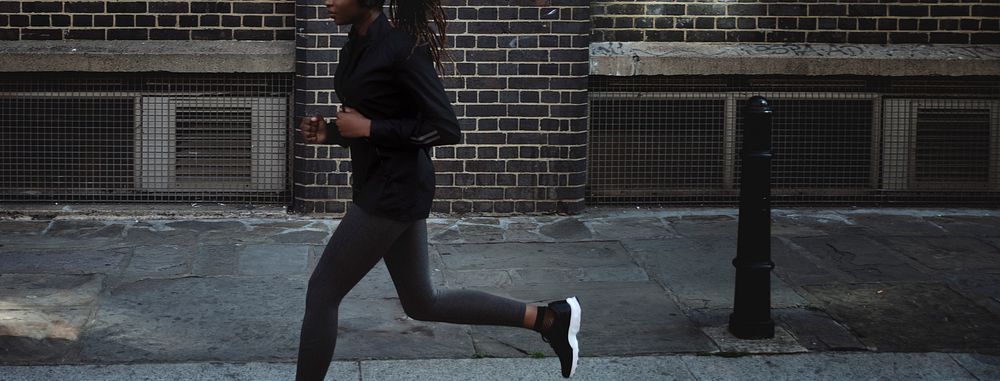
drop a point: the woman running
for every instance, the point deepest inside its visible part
(394, 110)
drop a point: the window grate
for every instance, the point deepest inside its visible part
(145, 137)
(836, 140)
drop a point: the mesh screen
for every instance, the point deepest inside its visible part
(149, 137)
(838, 140)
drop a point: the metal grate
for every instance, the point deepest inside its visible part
(145, 137)
(668, 153)
(952, 147)
(835, 140)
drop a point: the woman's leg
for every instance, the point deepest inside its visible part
(357, 244)
(408, 265)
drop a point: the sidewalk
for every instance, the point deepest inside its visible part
(656, 285)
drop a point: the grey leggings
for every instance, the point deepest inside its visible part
(356, 246)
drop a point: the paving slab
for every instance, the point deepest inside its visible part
(161, 261)
(910, 316)
(631, 227)
(983, 288)
(23, 227)
(198, 318)
(472, 231)
(947, 253)
(516, 255)
(67, 260)
(705, 225)
(25, 291)
(782, 342)
(798, 266)
(898, 225)
(862, 258)
(216, 259)
(75, 228)
(41, 335)
(504, 369)
(273, 259)
(194, 371)
(700, 272)
(523, 230)
(618, 317)
(816, 330)
(380, 329)
(811, 366)
(830, 366)
(983, 367)
(152, 233)
(967, 226)
(566, 229)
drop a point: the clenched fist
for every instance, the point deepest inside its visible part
(313, 129)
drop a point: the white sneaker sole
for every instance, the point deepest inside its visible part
(574, 327)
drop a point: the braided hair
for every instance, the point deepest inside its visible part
(412, 15)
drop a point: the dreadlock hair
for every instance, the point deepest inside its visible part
(411, 16)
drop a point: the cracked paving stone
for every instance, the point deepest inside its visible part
(198, 319)
(700, 272)
(882, 224)
(63, 261)
(860, 257)
(948, 253)
(74, 227)
(480, 233)
(968, 225)
(816, 330)
(631, 227)
(23, 227)
(159, 261)
(566, 229)
(203, 225)
(523, 232)
(908, 317)
(699, 226)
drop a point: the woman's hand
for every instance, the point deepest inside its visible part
(313, 129)
(352, 124)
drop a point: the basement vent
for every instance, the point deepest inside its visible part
(211, 143)
(942, 144)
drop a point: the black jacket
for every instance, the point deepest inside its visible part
(401, 93)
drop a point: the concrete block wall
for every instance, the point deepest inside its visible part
(820, 21)
(147, 20)
(519, 89)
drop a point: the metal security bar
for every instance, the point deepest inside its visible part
(145, 137)
(837, 140)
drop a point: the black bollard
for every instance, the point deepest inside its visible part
(751, 317)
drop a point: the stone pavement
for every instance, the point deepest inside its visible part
(891, 286)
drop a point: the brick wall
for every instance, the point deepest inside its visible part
(519, 89)
(141, 20)
(831, 21)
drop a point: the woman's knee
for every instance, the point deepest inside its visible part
(320, 292)
(420, 308)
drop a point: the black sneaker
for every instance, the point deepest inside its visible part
(562, 335)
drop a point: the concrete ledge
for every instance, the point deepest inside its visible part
(685, 58)
(138, 56)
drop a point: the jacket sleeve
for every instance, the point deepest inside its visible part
(436, 123)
